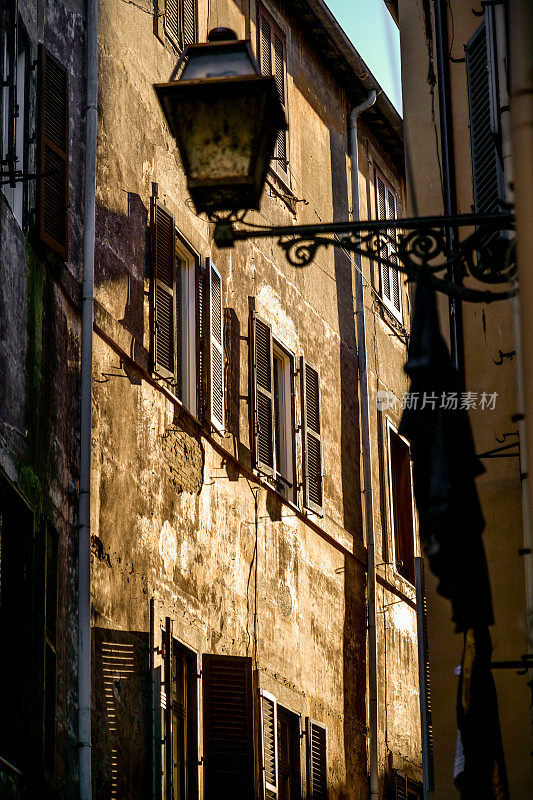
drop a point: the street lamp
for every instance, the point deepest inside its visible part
(225, 117)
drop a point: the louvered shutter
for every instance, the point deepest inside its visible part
(424, 673)
(54, 144)
(216, 344)
(400, 786)
(381, 202)
(281, 153)
(168, 737)
(487, 173)
(228, 728)
(265, 39)
(189, 24)
(269, 734)
(395, 285)
(263, 399)
(172, 27)
(9, 19)
(202, 346)
(312, 438)
(163, 292)
(317, 767)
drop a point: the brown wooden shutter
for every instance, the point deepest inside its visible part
(402, 506)
(228, 728)
(269, 734)
(189, 22)
(163, 292)
(263, 396)
(54, 129)
(312, 438)
(395, 286)
(172, 25)
(168, 738)
(400, 786)
(317, 766)
(265, 44)
(281, 151)
(216, 345)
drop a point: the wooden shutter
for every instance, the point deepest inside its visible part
(381, 204)
(54, 143)
(395, 285)
(402, 506)
(265, 44)
(391, 292)
(172, 25)
(424, 674)
(400, 786)
(487, 173)
(269, 735)
(272, 59)
(317, 767)
(189, 22)
(216, 344)
(228, 728)
(202, 346)
(263, 396)
(312, 438)
(9, 19)
(164, 350)
(168, 738)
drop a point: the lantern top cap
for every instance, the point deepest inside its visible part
(221, 35)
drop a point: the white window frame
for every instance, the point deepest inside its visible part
(281, 354)
(391, 427)
(186, 335)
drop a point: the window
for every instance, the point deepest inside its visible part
(487, 170)
(15, 59)
(228, 727)
(187, 338)
(312, 438)
(401, 503)
(386, 206)
(280, 731)
(271, 47)
(54, 146)
(273, 378)
(181, 21)
(180, 708)
(317, 766)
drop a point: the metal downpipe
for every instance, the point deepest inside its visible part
(84, 534)
(367, 461)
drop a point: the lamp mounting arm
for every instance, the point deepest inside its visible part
(414, 246)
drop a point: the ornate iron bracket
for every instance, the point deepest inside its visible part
(414, 246)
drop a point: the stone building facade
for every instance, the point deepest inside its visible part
(40, 269)
(229, 548)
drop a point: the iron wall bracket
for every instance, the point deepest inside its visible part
(414, 246)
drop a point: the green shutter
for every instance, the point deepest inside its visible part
(317, 765)
(263, 396)
(312, 438)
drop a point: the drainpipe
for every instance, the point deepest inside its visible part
(84, 535)
(521, 57)
(448, 173)
(367, 460)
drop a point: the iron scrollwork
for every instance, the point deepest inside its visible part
(413, 246)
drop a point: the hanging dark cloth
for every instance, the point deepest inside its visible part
(445, 466)
(451, 525)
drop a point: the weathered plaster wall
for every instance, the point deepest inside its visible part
(488, 329)
(171, 517)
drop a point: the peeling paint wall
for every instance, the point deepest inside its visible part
(178, 515)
